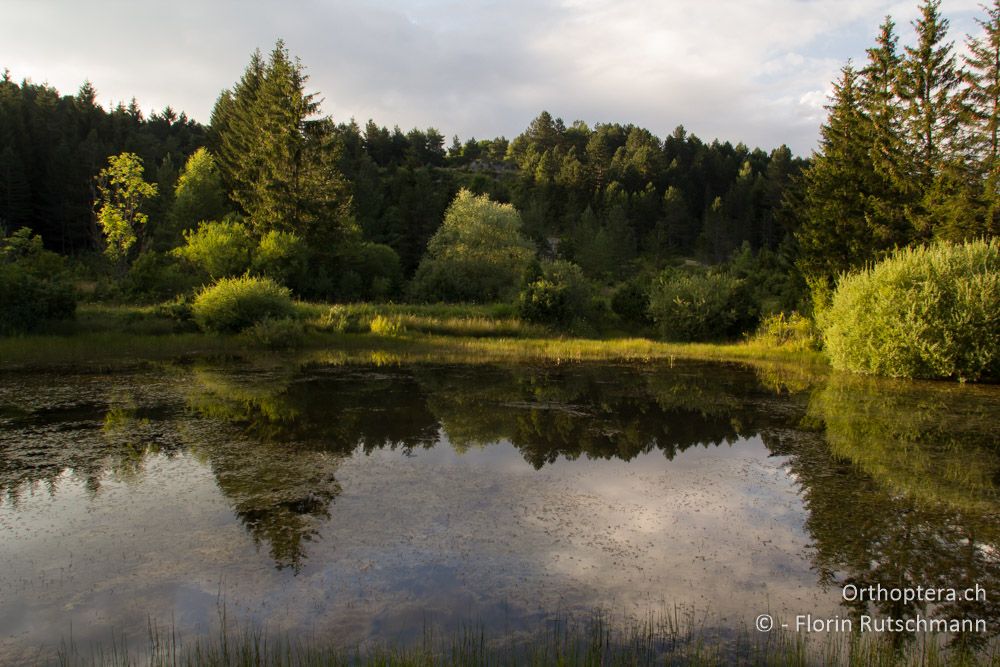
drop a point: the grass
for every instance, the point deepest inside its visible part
(104, 335)
(666, 638)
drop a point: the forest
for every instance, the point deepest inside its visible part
(586, 229)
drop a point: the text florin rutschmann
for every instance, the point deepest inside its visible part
(879, 593)
(809, 623)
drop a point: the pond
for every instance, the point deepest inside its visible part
(365, 502)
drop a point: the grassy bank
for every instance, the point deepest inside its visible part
(109, 335)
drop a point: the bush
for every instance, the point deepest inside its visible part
(691, 307)
(769, 278)
(156, 276)
(178, 309)
(558, 294)
(233, 304)
(220, 249)
(479, 253)
(281, 256)
(34, 286)
(630, 302)
(380, 265)
(927, 312)
(348, 319)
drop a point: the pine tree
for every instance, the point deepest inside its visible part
(677, 229)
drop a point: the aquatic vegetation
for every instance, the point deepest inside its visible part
(665, 637)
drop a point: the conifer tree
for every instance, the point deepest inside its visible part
(930, 89)
(280, 161)
(833, 234)
(233, 131)
(15, 192)
(883, 114)
(982, 77)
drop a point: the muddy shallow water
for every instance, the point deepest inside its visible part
(365, 502)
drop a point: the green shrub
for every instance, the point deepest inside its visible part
(927, 312)
(478, 254)
(220, 249)
(691, 307)
(157, 276)
(630, 302)
(558, 294)
(178, 309)
(281, 256)
(275, 334)
(769, 279)
(34, 286)
(383, 272)
(233, 304)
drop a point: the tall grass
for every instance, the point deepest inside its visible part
(665, 638)
(107, 335)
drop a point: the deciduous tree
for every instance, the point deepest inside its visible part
(122, 194)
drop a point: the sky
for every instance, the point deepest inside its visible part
(756, 71)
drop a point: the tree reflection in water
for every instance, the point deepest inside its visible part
(898, 479)
(902, 492)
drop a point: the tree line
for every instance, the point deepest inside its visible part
(272, 187)
(610, 197)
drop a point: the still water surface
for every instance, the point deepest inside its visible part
(365, 502)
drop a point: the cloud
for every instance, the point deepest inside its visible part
(748, 70)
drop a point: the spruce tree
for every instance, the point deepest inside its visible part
(234, 134)
(930, 89)
(278, 159)
(892, 192)
(982, 91)
(833, 233)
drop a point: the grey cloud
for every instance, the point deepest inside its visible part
(733, 70)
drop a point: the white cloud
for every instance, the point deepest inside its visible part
(748, 70)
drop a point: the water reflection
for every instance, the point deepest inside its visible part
(595, 411)
(903, 493)
(898, 481)
(103, 429)
(932, 441)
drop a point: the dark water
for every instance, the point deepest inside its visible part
(364, 502)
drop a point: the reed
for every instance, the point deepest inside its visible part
(668, 637)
